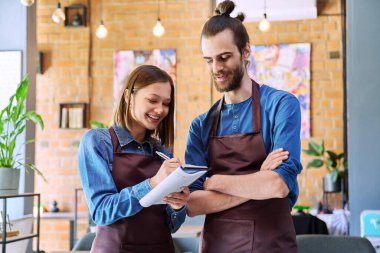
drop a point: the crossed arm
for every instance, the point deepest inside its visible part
(222, 192)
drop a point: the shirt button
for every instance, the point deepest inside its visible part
(236, 116)
(139, 147)
(234, 127)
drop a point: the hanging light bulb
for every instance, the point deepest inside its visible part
(27, 2)
(158, 29)
(101, 31)
(58, 15)
(264, 24)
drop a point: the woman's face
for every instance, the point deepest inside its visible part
(149, 106)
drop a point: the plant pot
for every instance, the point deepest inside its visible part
(9, 181)
(330, 186)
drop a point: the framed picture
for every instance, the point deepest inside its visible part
(285, 67)
(127, 60)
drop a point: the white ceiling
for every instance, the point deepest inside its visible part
(276, 9)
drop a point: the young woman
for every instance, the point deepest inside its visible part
(118, 166)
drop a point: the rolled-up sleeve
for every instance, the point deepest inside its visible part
(195, 153)
(106, 205)
(286, 134)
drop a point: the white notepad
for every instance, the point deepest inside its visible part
(182, 176)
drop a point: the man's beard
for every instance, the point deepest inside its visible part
(237, 76)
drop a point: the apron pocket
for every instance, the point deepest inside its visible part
(147, 248)
(227, 236)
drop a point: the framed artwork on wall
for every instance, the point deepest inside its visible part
(127, 60)
(285, 67)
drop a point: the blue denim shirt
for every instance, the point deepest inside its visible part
(280, 123)
(105, 203)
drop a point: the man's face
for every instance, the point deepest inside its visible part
(224, 60)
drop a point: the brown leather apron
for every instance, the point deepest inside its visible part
(144, 232)
(256, 226)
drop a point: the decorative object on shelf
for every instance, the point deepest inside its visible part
(13, 122)
(73, 115)
(75, 15)
(27, 2)
(36, 207)
(158, 29)
(54, 207)
(264, 24)
(58, 15)
(10, 233)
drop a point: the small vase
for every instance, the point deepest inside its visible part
(9, 181)
(330, 186)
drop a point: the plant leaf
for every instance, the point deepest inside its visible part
(334, 175)
(22, 90)
(96, 124)
(36, 118)
(322, 147)
(310, 152)
(315, 148)
(316, 163)
(332, 155)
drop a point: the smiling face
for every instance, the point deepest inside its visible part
(149, 106)
(227, 65)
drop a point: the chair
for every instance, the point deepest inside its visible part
(85, 242)
(309, 224)
(370, 227)
(333, 244)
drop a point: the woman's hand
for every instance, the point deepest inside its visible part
(178, 199)
(166, 168)
(274, 159)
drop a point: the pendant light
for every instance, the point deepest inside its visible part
(101, 31)
(264, 24)
(58, 15)
(27, 2)
(158, 29)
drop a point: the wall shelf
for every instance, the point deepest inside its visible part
(73, 115)
(4, 240)
(75, 15)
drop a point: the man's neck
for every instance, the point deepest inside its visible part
(240, 94)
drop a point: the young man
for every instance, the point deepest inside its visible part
(247, 209)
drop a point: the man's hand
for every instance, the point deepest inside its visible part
(274, 159)
(178, 199)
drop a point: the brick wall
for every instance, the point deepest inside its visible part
(130, 23)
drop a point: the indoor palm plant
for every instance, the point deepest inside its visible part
(335, 163)
(12, 124)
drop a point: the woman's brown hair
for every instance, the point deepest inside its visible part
(139, 78)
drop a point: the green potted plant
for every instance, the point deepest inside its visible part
(12, 124)
(335, 163)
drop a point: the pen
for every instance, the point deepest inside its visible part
(162, 155)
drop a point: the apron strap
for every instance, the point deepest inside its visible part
(115, 140)
(256, 117)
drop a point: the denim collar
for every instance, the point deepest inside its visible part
(125, 137)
